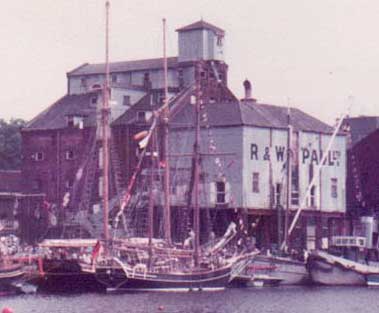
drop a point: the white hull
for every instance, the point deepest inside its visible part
(288, 271)
(327, 269)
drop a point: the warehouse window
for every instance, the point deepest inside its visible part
(220, 192)
(334, 187)
(75, 121)
(312, 197)
(256, 182)
(38, 156)
(94, 100)
(69, 155)
(83, 82)
(141, 116)
(278, 194)
(126, 100)
(69, 183)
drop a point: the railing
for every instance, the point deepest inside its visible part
(348, 241)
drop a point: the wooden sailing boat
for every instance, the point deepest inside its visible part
(154, 264)
(67, 264)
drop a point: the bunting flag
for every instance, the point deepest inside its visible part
(96, 251)
(66, 199)
(144, 142)
(79, 174)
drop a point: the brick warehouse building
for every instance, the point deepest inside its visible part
(58, 142)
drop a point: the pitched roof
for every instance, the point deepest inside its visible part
(10, 181)
(130, 115)
(55, 116)
(250, 113)
(201, 25)
(267, 115)
(144, 104)
(124, 66)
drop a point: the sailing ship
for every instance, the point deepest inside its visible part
(67, 264)
(159, 264)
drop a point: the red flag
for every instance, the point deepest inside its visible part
(96, 250)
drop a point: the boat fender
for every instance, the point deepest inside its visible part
(7, 310)
(161, 308)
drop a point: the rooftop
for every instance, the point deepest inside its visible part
(201, 25)
(124, 66)
(55, 116)
(251, 113)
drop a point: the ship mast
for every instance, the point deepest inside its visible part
(105, 131)
(151, 200)
(289, 180)
(167, 209)
(196, 156)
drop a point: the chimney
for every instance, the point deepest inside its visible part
(247, 86)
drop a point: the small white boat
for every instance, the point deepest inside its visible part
(286, 270)
(347, 263)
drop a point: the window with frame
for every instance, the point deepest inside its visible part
(38, 156)
(75, 121)
(220, 192)
(219, 40)
(295, 187)
(334, 187)
(83, 82)
(126, 100)
(141, 116)
(69, 155)
(278, 194)
(69, 183)
(312, 197)
(114, 78)
(94, 100)
(256, 182)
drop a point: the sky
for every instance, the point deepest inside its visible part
(319, 56)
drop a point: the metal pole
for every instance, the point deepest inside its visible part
(167, 209)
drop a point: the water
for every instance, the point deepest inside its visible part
(262, 300)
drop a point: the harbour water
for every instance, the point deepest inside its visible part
(262, 300)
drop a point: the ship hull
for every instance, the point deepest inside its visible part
(372, 280)
(10, 276)
(324, 269)
(117, 279)
(65, 276)
(285, 270)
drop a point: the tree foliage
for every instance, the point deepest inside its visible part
(10, 144)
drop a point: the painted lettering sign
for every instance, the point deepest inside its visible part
(308, 155)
